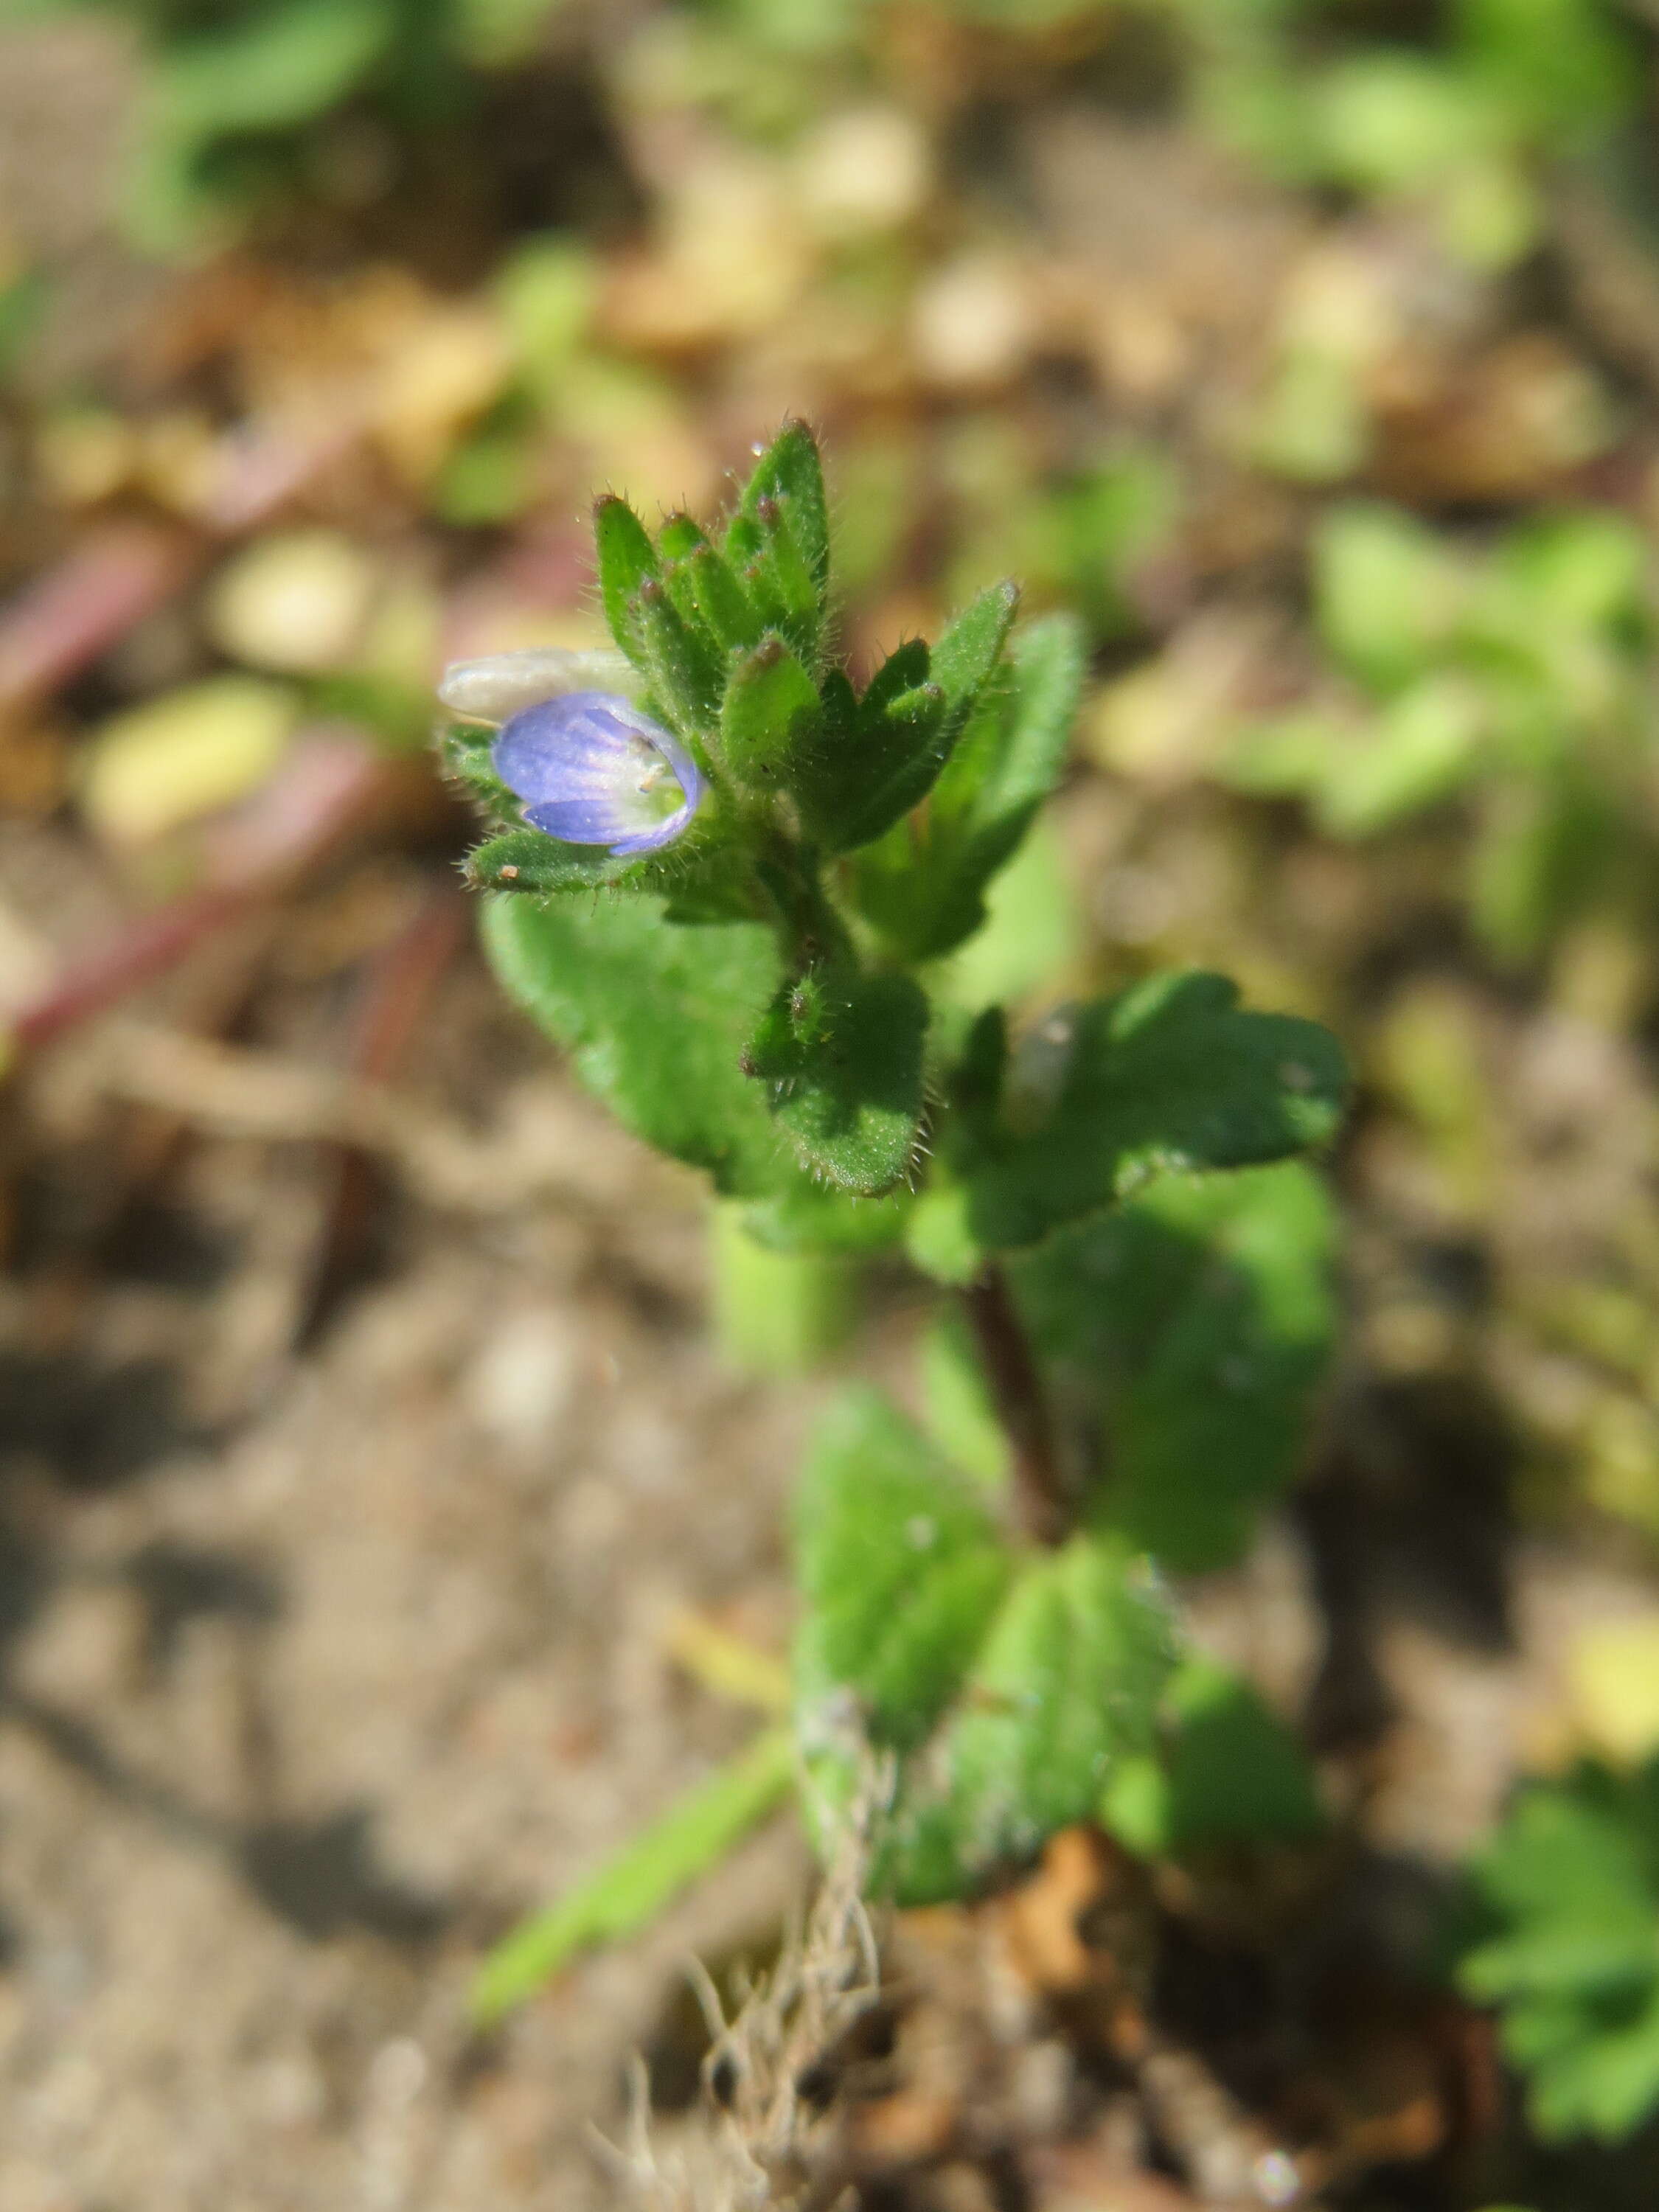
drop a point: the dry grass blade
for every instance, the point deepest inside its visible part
(771, 2141)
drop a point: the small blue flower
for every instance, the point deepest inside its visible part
(592, 771)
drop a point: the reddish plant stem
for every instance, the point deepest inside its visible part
(327, 787)
(1040, 1494)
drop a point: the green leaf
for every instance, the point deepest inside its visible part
(899, 1564)
(879, 753)
(1031, 1702)
(771, 723)
(816, 1217)
(1032, 930)
(525, 861)
(1191, 1325)
(781, 579)
(656, 1017)
(873, 774)
(705, 594)
(683, 669)
(923, 886)
(905, 727)
(957, 1402)
(842, 1054)
(1387, 592)
(1170, 1075)
(1066, 1683)
(1421, 747)
(776, 1311)
(1561, 68)
(629, 1891)
(282, 66)
(627, 559)
(1229, 1773)
(962, 662)
(905, 668)
(789, 475)
(1570, 1953)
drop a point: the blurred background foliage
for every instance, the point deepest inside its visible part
(1309, 348)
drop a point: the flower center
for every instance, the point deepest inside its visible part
(654, 780)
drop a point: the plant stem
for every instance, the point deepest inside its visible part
(1040, 1493)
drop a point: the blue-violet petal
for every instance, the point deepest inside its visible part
(592, 769)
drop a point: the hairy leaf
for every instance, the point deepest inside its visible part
(923, 884)
(1066, 1683)
(1172, 1074)
(789, 475)
(900, 1564)
(1191, 1324)
(627, 559)
(842, 1054)
(771, 723)
(656, 1019)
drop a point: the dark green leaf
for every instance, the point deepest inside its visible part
(842, 1055)
(905, 727)
(626, 560)
(1190, 1326)
(1171, 1074)
(1571, 1887)
(789, 475)
(771, 725)
(899, 1564)
(886, 766)
(962, 660)
(1066, 1683)
(525, 861)
(904, 669)
(923, 884)
(656, 1019)
(1229, 1773)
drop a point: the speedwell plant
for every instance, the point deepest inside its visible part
(726, 877)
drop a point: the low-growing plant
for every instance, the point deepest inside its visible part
(1512, 682)
(728, 881)
(1570, 1888)
(1462, 120)
(229, 88)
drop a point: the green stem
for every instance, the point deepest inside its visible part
(811, 929)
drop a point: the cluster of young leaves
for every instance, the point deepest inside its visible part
(775, 1033)
(1513, 679)
(1570, 1889)
(764, 1036)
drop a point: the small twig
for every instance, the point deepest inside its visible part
(59, 624)
(1040, 1492)
(397, 994)
(325, 787)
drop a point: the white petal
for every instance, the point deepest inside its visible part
(496, 688)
